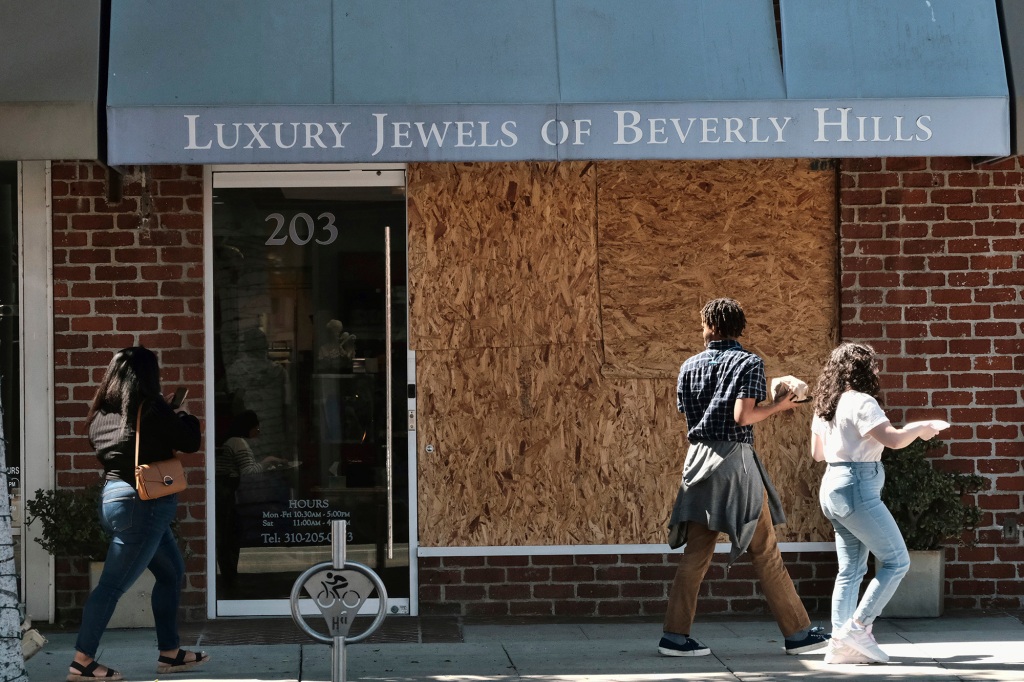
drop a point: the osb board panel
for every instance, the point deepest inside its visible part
(501, 255)
(532, 446)
(675, 235)
(783, 443)
(540, 439)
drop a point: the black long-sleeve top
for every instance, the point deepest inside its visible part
(163, 432)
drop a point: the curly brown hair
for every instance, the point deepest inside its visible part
(850, 366)
(724, 316)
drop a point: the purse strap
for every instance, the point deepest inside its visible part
(138, 430)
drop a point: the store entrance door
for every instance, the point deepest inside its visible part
(310, 381)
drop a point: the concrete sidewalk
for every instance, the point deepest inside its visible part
(949, 648)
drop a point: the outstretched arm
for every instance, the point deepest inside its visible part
(897, 439)
(746, 410)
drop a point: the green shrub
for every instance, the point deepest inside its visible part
(928, 503)
(70, 522)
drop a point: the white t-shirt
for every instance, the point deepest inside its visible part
(845, 438)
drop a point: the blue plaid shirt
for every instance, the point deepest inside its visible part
(709, 385)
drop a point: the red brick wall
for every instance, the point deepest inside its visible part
(118, 283)
(605, 585)
(932, 277)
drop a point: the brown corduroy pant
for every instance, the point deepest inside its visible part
(776, 584)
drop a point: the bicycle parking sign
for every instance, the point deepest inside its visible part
(339, 589)
(339, 594)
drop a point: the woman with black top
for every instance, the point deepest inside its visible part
(140, 530)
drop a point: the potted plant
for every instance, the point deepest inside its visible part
(70, 522)
(70, 527)
(929, 509)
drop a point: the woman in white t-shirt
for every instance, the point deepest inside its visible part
(849, 431)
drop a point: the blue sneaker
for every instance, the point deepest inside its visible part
(691, 648)
(815, 639)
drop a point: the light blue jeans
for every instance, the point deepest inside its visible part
(851, 499)
(141, 538)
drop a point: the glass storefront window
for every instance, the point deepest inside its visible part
(302, 369)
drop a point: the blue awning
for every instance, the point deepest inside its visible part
(49, 79)
(335, 81)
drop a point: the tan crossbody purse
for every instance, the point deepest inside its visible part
(157, 479)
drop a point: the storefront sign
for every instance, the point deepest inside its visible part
(684, 130)
(291, 522)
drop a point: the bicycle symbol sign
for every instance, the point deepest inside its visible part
(339, 594)
(335, 587)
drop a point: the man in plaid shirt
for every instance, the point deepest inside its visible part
(725, 489)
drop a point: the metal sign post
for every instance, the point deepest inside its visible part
(339, 589)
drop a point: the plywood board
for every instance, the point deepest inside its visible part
(548, 346)
(501, 255)
(675, 235)
(531, 446)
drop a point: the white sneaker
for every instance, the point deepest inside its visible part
(840, 653)
(861, 640)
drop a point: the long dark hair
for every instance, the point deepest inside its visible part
(850, 366)
(132, 377)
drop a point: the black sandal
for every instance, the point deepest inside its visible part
(86, 673)
(166, 664)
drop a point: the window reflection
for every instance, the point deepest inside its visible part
(299, 318)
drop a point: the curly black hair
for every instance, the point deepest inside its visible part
(724, 316)
(850, 366)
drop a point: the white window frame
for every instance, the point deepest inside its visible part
(35, 293)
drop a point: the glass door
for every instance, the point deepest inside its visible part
(310, 380)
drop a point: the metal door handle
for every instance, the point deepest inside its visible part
(387, 378)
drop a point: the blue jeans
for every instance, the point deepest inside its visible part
(141, 539)
(851, 499)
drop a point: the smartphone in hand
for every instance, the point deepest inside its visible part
(179, 397)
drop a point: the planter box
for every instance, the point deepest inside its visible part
(134, 609)
(921, 593)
